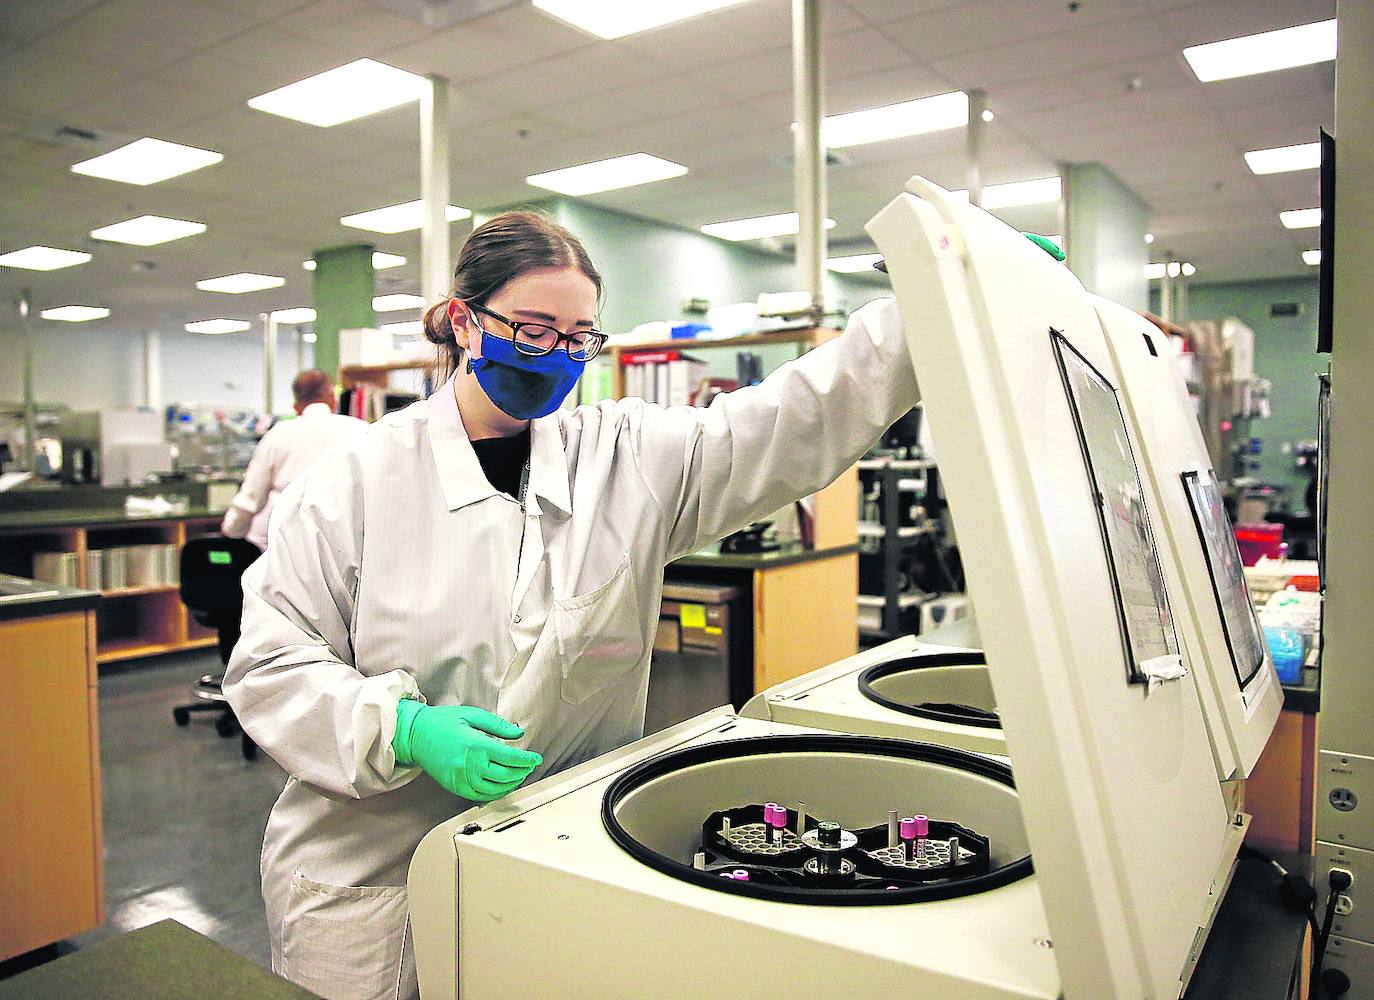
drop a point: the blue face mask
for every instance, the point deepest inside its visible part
(520, 385)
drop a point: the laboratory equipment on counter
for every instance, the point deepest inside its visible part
(1121, 794)
(112, 447)
(908, 688)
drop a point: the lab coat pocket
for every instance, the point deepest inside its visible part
(346, 941)
(600, 635)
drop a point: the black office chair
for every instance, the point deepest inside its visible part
(211, 569)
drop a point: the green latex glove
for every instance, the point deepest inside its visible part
(1049, 246)
(461, 748)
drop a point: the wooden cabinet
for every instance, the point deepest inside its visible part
(134, 621)
(51, 876)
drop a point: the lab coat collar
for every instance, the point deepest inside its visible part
(317, 410)
(460, 474)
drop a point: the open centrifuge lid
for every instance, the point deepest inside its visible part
(1240, 689)
(1058, 530)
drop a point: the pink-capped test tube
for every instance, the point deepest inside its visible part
(906, 833)
(775, 817)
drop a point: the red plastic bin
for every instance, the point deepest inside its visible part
(1258, 540)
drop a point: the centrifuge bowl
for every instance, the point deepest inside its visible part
(655, 810)
(937, 686)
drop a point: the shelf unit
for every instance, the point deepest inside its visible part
(804, 338)
(131, 622)
(895, 476)
(835, 523)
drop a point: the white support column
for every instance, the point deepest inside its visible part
(977, 104)
(808, 81)
(269, 361)
(152, 369)
(436, 277)
(30, 416)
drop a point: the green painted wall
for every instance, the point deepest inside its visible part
(1285, 354)
(1105, 235)
(344, 284)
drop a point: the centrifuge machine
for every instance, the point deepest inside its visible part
(729, 856)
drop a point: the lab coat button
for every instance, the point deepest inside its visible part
(516, 620)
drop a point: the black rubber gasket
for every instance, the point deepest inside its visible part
(758, 746)
(959, 715)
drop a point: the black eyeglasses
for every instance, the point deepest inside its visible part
(537, 339)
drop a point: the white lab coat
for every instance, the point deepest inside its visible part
(395, 570)
(283, 454)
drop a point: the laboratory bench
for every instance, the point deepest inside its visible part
(1281, 792)
(52, 877)
(82, 537)
(162, 960)
(799, 610)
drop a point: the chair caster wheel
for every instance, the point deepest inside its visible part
(249, 748)
(226, 726)
(181, 717)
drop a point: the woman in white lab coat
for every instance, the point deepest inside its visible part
(401, 582)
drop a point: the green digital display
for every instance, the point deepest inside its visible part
(220, 558)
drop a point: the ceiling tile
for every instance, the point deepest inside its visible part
(1066, 52)
(1214, 20)
(353, 25)
(192, 25)
(856, 53)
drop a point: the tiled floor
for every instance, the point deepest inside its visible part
(183, 811)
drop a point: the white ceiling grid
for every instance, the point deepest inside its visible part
(531, 94)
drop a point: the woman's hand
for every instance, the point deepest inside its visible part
(461, 748)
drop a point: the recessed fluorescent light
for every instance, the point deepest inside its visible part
(1263, 53)
(1301, 218)
(1311, 256)
(399, 218)
(617, 18)
(1305, 156)
(894, 121)
(43, 258)
(294, 317)
(411, 329)
(1149, 237)
(342, 94)
(608, 175)
(218, 326)
(1173, 269)
(237, 284)
(1036, 192)
(786, 224)
(148, 231)
(853, 264)
(395, 303)
(1017, 193)
(147, 161)
(380, 261)
(75, 314)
